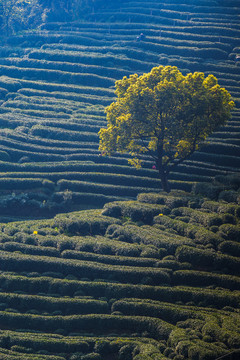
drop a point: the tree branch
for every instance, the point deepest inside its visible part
(147, 148)
(179, 161)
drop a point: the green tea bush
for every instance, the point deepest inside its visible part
(137, 211)
(20, 349)
(232, 181)
(13, 355)
(156, 327)
(29, 249)
(185, 51)
(57, 306)
(99, 245)
(151, 198)
(208, 190)
(65, 66)
(84, 223)
(228, 219)
(229, 196)
(192, 231)
(217, 159)
(51, 343)
(218, 148)
(98, 188)
(10, 83)
(114, 260)
(31, 86)
(230, 232)
(77, 166)
(201, 278)
(111, 290)
(22, 104)
(146, 235)
(91, 58)
(92, 270)
(189, 177)
(171, 201)
(59, 134)
(230, 247)
(167, 312)
(205, 350)
(126, 352)
(220, 207)
(91, 356)
(200, 217)
(22, 184)
(205, 259)
(56, 75)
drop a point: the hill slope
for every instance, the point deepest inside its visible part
(156, 278)
(55, 83)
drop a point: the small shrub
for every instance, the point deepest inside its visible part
(102, 347)
(150, 252)
(232, 181)
(205, 189)
(20, 349)
(228, 196)
(230, 232)
(228, 218)
(230, 247)
(76, 356)
(84, 223)
(113, 211)
(126, 352)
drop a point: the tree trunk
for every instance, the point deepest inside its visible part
(164, 180)
(161, 170)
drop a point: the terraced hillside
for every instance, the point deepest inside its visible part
(56, 82)
(157, 278)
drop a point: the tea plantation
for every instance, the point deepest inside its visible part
(96, 262)
(154, 278)
(56, 81)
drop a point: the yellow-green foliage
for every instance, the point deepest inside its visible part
(164, 114)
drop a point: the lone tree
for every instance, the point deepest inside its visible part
(164, 114)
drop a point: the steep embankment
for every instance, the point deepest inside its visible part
(56, 82)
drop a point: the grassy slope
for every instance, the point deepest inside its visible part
(56, 82)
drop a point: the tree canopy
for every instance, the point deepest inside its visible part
(164, 114)
(18, 15)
